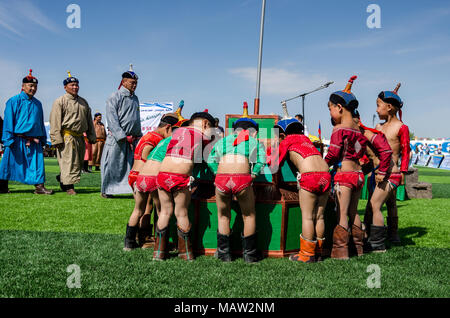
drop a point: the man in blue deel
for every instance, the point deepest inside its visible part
(24, 137)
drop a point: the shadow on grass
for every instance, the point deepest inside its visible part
(409, 233)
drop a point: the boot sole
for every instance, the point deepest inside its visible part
(127, 249)
(341, 258)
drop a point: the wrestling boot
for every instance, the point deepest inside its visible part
(340, 243)
(223, 247)
(40, 189)
(185, 245)
(145, 238)
(250, 252)
(307, 251)
(319, 252)
(162, 238)
(4, 186)
(376, 240)
(130, 238)
(358, 239)
(392, 230)
(368, 220)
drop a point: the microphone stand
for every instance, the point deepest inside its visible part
(303, 97)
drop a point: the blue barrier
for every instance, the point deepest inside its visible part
(445, 164)
(423, 160)
(435, 161)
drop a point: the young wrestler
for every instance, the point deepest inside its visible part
(144, 147)
(397, 134)
(174, 180)
(237, 160)
(347, 145)
(380, 153)
(146, 180)
(314, 183)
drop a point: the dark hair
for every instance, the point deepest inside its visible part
(295, 129)
(169, 119)
(351, 106)
(204, 115)
(394, 102)
(245, 125)
(299, 115)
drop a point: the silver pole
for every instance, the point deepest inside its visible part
(261, 35)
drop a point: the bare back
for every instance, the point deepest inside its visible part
(150, 168)
(309, 164)
(177, 165)
(233, 164)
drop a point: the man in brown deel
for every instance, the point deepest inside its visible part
(69, 119)
(97, 148)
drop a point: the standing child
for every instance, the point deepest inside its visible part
(237, 160)
(314, 183)
(347, 145)
(397, 134)
(174, 180)
(380, 153)
(137, 220)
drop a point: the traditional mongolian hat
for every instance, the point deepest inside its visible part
(391, 97)
(70, 79)
(30, 78)
(288, 124)
(129, 74)
(346, 97)
(205, 115)
(245, 121)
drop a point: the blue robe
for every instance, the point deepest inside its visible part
(23, 116)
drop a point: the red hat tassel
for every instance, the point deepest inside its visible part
(369, 129)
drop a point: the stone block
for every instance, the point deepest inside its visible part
(419, 190)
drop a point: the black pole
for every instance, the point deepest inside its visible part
(303, 109)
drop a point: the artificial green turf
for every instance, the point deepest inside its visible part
(42, 235)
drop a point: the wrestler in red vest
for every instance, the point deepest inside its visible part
(347, 145)
(314, 183)
(174, 180)
(381, 154)
(140, 217)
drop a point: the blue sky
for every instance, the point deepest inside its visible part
(205, 52)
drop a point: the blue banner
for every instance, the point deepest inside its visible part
(435, 161)
(423, 160)
(445, 164)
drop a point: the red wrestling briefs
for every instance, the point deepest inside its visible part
(395, 179)
(232, 183)
(146, 184)
(318, 182)
(132, 178)
(351, 179)
(171, 182)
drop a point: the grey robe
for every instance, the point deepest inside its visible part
(123, 117)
